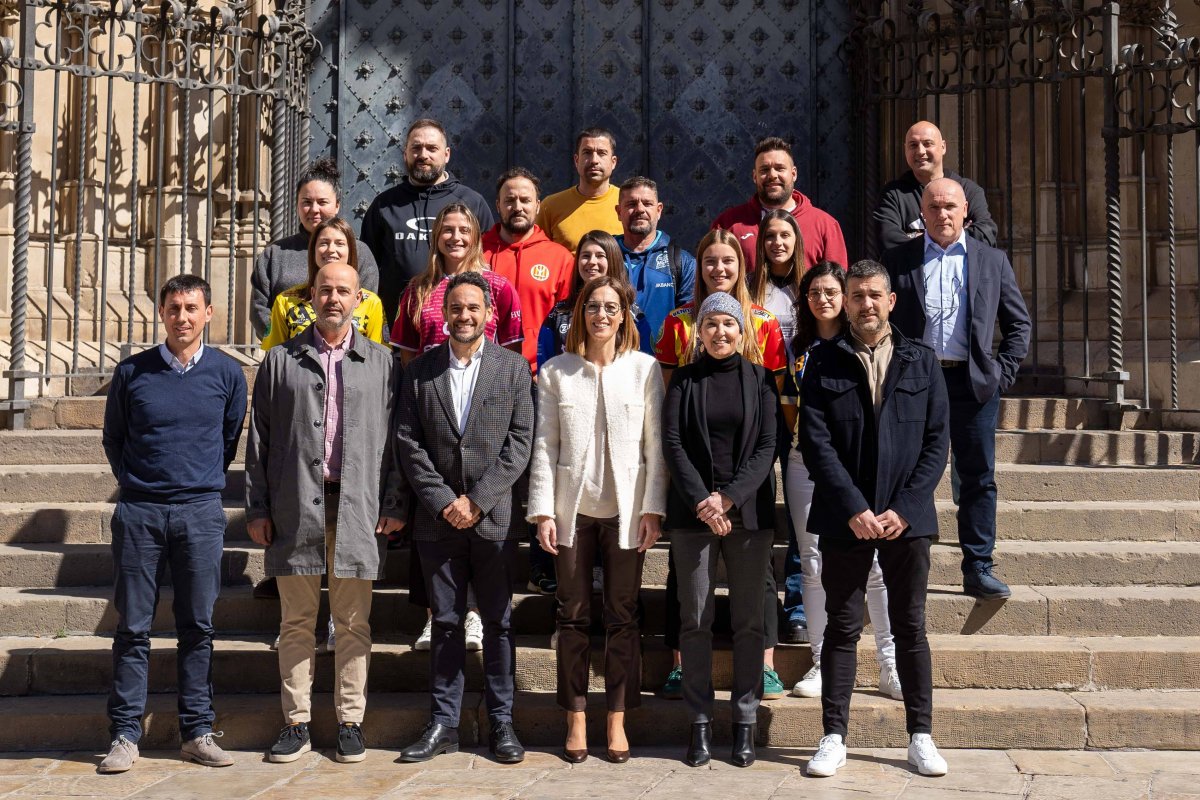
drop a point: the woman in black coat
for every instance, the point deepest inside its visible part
(720, 420)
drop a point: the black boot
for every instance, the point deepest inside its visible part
(743, 745)
(698, 750)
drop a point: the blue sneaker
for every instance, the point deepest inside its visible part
(673, 688)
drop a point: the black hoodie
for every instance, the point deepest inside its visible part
(397, 228)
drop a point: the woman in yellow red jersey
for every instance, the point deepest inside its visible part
(332, 241)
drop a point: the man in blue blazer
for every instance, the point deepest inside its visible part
(951, 290)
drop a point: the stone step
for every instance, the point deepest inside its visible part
(1082, 520)
(1082, 447)
(976, 718)
(246, 664)
(45, 566)
(92, 483)
(1031, 611)
(79, 413)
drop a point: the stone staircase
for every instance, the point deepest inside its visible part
(1099, 646)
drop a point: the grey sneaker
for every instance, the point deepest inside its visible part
(121, 756)
(203, 750)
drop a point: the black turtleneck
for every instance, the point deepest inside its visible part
(723, 408)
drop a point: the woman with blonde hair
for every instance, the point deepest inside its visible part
(598, 483)
(455, 246)
(332, 241)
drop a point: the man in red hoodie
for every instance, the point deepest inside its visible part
(775, 187)
(522, 252)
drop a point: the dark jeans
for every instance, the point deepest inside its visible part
(146, 539)
(770, 603)
(622, 640)
(845, 565)
(747, 556)
(793, 579)
(450, 565)
(973, 443)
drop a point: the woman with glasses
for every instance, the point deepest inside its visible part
(598, 483)
(720, 432)
(820, 317)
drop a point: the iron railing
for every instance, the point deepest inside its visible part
(1055, 106)
(152, 126)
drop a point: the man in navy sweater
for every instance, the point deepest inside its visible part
(171, 428)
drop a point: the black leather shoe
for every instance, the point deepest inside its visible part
(504, 744)
(435, 740)
(982, 584)
(743, 745)
(698, 753)
(797, 632)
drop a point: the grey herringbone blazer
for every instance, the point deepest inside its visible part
(485, 461)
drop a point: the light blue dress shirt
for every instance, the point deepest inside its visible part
(174, 363)
(947, 308)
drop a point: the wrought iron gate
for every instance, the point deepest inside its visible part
(1081, 119)
(686, 86)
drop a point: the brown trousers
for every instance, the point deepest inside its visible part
(622, 642)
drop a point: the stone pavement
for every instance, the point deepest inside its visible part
(653, 774)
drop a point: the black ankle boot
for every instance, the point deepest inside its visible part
(743, 744)
(698, 750)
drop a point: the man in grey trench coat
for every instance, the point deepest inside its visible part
(321, 495)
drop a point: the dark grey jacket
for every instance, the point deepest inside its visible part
(285, 451)
(899, 211)
(485, 461)
(282, 265)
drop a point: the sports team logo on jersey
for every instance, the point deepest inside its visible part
(539, 272)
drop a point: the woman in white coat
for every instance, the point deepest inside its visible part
(598, 482)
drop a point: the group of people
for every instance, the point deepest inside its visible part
(569, 375)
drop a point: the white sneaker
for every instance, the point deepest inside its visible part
(829, 758)
(810, 684)
(422, 642)
(889, 681)
(923, 754)
(330, 637)
(474, 626)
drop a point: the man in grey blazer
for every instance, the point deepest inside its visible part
(464, 428)
(951, 290)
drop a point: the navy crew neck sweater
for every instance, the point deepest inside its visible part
(169, 437)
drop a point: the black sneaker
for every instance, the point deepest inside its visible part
(292, 743)
(983, 585)
(350, 746)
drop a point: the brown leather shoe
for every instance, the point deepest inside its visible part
(617, 756)
(574, 756)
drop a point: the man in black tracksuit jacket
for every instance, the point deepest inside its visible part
(398, 223)
(874, 433)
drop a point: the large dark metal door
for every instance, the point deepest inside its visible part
(513, 82)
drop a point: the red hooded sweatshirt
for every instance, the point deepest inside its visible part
(822, 235)
(541, 272)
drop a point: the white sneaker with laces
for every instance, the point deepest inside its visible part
(474, 629)
(426, 636)
(829, 758)
(810, 684)
(889, 681)
(923, 754)
(330, 637)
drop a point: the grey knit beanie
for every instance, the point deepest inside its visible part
(722, 303)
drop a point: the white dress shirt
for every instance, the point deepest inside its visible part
(462, 383)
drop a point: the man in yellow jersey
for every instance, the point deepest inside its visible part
(591, 204)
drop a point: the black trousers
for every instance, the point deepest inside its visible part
(450, 565)
(771, 606)
(845, 565)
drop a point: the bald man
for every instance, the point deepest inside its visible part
(899, 211)
(951, 290)
(322, 493)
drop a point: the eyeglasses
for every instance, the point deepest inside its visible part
(829, 294)
(609, 309)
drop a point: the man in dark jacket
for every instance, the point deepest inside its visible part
(397, 224)
(899, 211)
(952, 291)
(874, 437)
(464, 428)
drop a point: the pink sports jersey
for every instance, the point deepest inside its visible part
(504, 327)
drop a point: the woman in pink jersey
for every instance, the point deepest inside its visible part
(456, 248)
